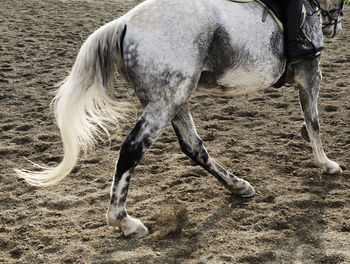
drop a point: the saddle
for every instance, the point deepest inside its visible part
(274, 10)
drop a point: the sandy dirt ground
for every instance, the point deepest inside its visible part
(299, 215)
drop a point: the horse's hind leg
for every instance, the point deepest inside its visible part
(309, 85)
(147, 129)
(192, 146)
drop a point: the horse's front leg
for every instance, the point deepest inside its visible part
(309, 85)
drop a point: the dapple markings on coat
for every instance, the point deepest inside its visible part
(165, 48)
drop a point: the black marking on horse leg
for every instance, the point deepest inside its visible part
(117, 178)
(315, 125)
(308, 105)
(121, 201)
(113, 194)
(304, 133)
(125, 189)
(121, 215)
(132, 151)
(196, 153)
(193, 147)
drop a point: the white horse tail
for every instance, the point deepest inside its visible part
(84, 105)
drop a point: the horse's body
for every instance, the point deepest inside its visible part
(210, 41)
(165, 48)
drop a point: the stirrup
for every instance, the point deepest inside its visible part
(317, 50)
(311, 56)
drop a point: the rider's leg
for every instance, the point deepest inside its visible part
(294, 50)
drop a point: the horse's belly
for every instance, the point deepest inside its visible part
(237, 82)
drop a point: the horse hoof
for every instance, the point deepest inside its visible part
(332, 168)
(131, 227)
(134, 228)
(247, 193)
(245, 190)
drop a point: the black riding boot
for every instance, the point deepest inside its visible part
(294, 50)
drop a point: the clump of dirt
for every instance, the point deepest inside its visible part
(171, 220)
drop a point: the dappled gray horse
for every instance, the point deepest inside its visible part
(164, 47)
